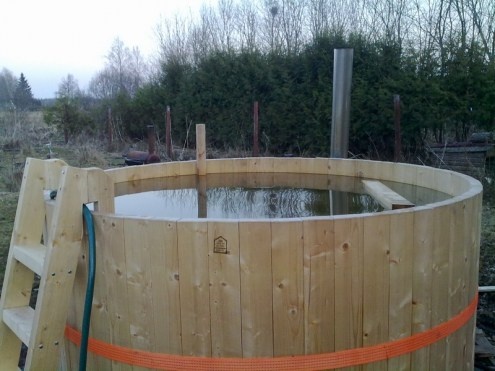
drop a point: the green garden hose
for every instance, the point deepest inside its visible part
(88, 301)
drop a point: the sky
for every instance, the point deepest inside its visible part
(49, 39)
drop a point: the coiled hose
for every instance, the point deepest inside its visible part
(88, 301)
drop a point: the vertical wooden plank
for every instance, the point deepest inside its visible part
(137, 257)
(225, 289)
(192, 240)
(200, 149)
(376, 270)
(422, 273)
(440, 281)
(319, 286)
(288, 296)
(256, 288)
(165, 286)
(348, 282)
(98, 311)
(401, 265)
(457, 283)
(473, 224)
(29, 223)
(109, 232)
(468, 223)
(101, 190)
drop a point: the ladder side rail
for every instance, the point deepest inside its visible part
(65, 237)
(28, 227)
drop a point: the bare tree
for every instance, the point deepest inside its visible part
(202, 38)
(125, 72)
(247, 25)
(102, 85)
(226, 24)
(117, 63)
(69, 88)
(291, 18)
(389, 19)
(173, 38)
(270, 22)
(318, 17)
(483, 13)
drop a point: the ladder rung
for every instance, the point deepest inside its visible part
(32, 257)
(20, 321)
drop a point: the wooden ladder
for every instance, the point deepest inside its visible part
(46, 240)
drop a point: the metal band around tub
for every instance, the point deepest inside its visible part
(343, 358)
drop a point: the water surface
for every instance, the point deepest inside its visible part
(255, 196)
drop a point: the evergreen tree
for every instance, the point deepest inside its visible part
(67, 114)
(23, 97)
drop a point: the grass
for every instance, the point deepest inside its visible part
(8, 206)
(30, 137)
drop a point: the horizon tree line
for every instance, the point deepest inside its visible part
(439, 55)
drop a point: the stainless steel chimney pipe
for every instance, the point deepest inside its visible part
(341, 106)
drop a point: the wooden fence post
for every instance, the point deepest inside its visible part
(168, 135)
(200, 149)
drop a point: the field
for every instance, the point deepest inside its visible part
(34, 139)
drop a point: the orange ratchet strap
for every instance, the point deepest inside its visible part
(339, 359)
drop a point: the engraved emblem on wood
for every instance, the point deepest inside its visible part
(220, 245)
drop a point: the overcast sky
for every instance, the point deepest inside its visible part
(48, 39)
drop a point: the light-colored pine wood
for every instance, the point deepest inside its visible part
(287, 286)
(219, 166)
(256, 288)
(319, 268)
(344, 167)
(101, 190)
(288, 294)
(376, 270)
(32, 257)
(457, 271)
(422, 275)
(286, 165)
(225, 289)
(139, 285)
(20, 320)
(385, 196)
(56, 262)
(162, 238)
(401, 269)
(473, 258)
(101, 193)
(440, 281)
(63, 249)
(29, 227)
(192, 242)
(112, 272)
(349, 283)
(260, 165)
(200, 149)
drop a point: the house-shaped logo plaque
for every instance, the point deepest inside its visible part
(220, 245)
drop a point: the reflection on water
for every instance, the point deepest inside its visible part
(250, 196)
